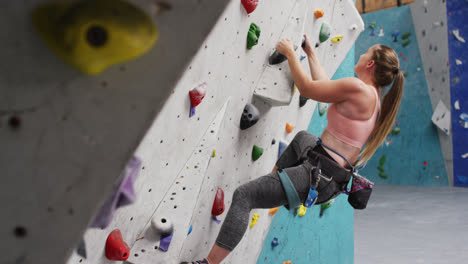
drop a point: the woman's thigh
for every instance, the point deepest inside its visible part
(268, 192)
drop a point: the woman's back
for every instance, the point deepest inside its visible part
(350, 125)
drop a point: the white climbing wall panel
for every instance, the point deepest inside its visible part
(78, 132)
(178, 169)
(430, 22)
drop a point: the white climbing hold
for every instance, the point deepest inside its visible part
(458, 62)
(456, 33)
(381, 34)
(464, 156)
(418, 69)
(457, 105)
(437, 24)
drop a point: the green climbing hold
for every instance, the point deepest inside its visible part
(406, 35)
(383, 175)
(256, 152)
(324, 32)
(372, 25)
(406, 42)
(325, 206)
(380, 168)
(322, 107)
(405, 74)
(382, 160)
(395, 131)
(253, 35)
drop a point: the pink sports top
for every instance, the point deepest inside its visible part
(352, 131)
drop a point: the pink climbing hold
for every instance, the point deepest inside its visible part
(197, 94)
(249, 5)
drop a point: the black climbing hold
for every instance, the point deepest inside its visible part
(277, 58)
(249, 117)
(14, 121)
(273, 141)
(96, 36)
(302, 100)
(317, 45)
(81, 249)
(20, 231)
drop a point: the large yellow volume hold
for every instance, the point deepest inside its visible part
(92, 35)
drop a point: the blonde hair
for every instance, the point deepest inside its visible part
(386, 71)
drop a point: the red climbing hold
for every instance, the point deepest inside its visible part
(116, 248)
(218, 204)
(249, 5)
(197, 94)
(425, 163)
(401, 54)
(406, 58)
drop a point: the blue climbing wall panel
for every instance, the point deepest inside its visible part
(456, 12)
(418, 143)
(313, 239)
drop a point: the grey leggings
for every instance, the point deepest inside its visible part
(267, 191)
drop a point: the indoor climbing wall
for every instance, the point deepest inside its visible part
(430, 24)
(189, 153)
(458, 31)
(411, 154)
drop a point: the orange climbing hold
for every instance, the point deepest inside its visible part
(273, 211)
(318, 13)
(289, 128)
(287, 262)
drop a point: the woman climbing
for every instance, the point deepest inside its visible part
(355, 117)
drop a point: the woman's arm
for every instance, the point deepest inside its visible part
(316, 70)
(325, 90)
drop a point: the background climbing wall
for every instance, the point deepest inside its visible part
(313, 239)
(456, 11)
(414, 156)
(178, 179)
(430, 24)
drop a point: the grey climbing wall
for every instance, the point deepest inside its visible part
(430, 22)
(180, 176)
(409, 224)
(77, 132)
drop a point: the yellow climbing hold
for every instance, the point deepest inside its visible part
(273, 211)
(92, 35)
(254, 220)
(214, 153)
(302, 210)
(336, 39)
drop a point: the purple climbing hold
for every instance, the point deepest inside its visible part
(123, 194)
(192, 111)
(165, 242)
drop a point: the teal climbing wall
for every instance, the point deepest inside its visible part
(313, 239)
(418, 142)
